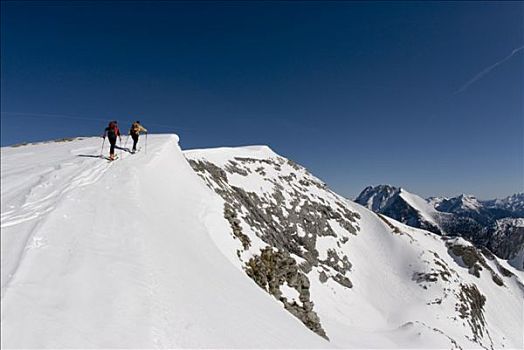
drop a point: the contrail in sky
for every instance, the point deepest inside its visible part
(488, 69)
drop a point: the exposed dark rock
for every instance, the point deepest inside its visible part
(232, 167)
(341, 265)
(20, 144)
(343, 280)
(393, 227)
(289, 218)
(472, 259)
(504, 237)
(218, 175)
(504, 272)
(270, 270)
(420, 277)
(231, 216)
(277, 221)
(444, 271)
(471, 308)
(261, 171)
(293, 164)
(322, 277)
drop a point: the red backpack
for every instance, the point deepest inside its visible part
(112, 129)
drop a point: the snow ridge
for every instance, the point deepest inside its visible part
(169, 249)
(125, 260)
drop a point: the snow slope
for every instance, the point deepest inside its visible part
(237, 248)
(421, 205)
(97, 254)
(373, 282)
(464, 215)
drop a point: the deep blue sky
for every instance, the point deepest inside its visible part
(359, 93)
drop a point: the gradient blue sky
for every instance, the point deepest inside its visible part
(359, 93)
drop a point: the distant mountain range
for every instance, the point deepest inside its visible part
(497, 224)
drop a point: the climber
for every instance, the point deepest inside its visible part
(112, 132)
(135, 131)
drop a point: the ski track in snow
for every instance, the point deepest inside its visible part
(51, 180)
(87, 243)
(49, 185)
(137, 253)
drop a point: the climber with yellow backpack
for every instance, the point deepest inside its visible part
(136, 129)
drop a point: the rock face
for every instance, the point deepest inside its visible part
(271, 270)
(289, 216)
(378, 198)
(400, 205)
(505, 237)
(471, 308)
(331, 262)
(496, 224)
(472, 258)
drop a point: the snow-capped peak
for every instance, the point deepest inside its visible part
(461, 203)
(378, 197)
(513, 203)
(401, 205)
(435, 201)
(493, 224)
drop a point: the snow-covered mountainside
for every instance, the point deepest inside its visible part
(504, 236)
(401, 205)
(467, 206)
(491, 224)
(513, 204)
(482, 211)
(352, 276)
(461, 204)
(378, 198)
(228, 247)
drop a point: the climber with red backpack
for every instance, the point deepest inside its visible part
(112, 132)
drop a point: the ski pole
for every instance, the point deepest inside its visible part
(120, 144)
(125, 145)
(102, 150)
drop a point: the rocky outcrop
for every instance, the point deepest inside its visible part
(470, 307)
(471, 258)
(290, 215)
(231, 216)
(505, 237)
(271, 270)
